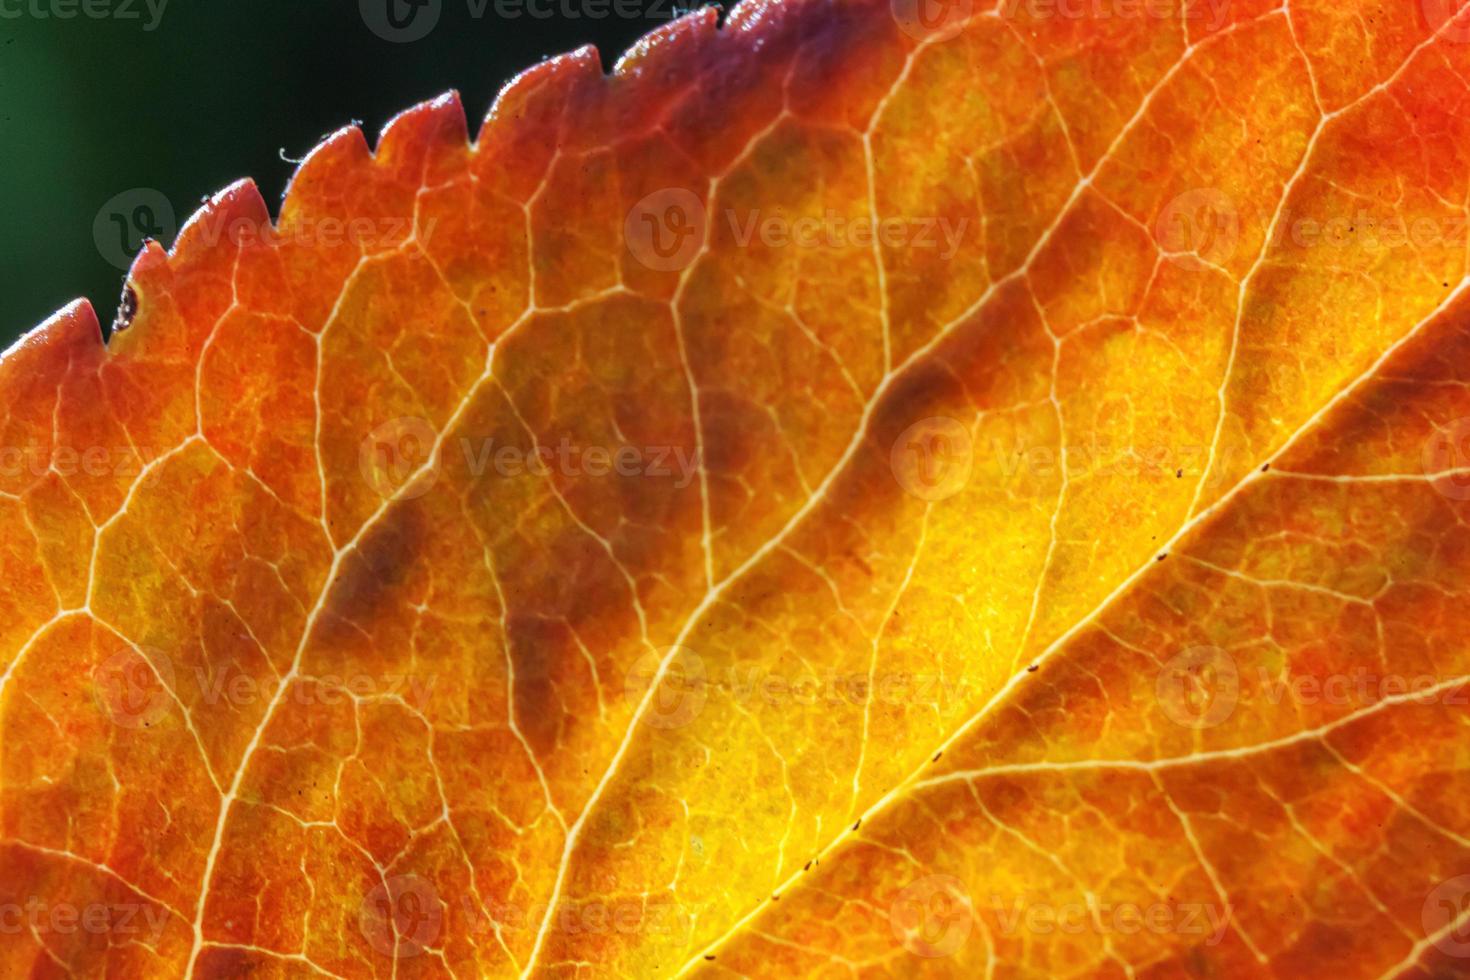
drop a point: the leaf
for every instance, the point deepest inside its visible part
(855, 490)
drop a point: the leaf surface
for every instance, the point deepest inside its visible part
(587, 550)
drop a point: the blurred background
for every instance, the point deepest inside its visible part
(118, 116)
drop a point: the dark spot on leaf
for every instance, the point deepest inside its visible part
(382, 561)
(563, 594)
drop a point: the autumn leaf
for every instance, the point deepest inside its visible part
(861, 489)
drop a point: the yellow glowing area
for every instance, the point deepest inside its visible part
(855, 492)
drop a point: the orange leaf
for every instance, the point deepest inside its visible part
(873, 488)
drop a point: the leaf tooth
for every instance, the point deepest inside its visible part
(240, 202)
(544, 88)
(73, 328)
(203, 251)
(670, 51)
(414, 137)
(527, 123)
(344, 151)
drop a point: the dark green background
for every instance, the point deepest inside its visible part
(91, 108)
